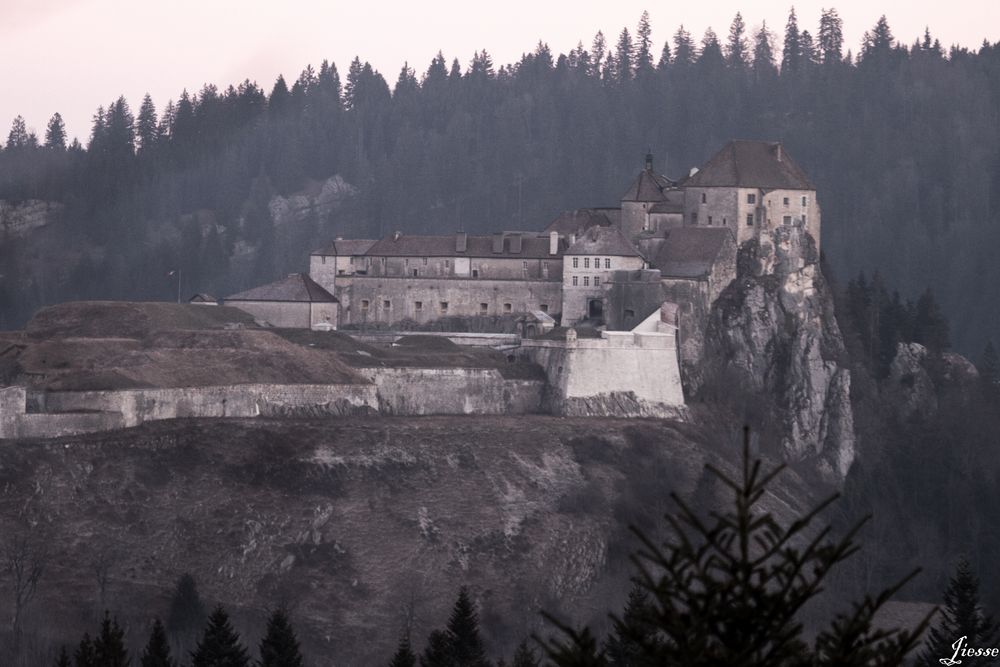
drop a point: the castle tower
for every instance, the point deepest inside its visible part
(647, 190)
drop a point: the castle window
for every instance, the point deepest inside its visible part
(787, 220)
(586, 281)
(364, 304)
(484, 308)
(694, 217)
(415, 274)
(597, 281)
(629, 313)
(751, 198)
(340, 272)
(803, 220)
(607, 262)
(425, 261)
(704, 198)
(387, 304)
(524, 265)
(597, 262)
(475, 273)
(418, 306)
(544, 307)
(444, 306)
(323, 259)
(586, 262)
(575, 278)
(447, 263)
(709, 219)
(507, 308)
(805, 200)
(749, 219)
(786, 201)
(576, 262)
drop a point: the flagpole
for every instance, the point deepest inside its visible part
(178, 285)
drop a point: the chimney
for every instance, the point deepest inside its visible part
(553, 243)
(461, 242)
(779, 152)
(396, 234)
(498, 243)
(515, 244)
(694, 170)
(649, 161)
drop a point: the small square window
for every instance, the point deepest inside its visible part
(751, 198)
(586, 281)
(704, 198)
(586, 262)
(786, 201)
(387, 304)
(709, 219)
(576, 262)
(484, 308)
(803, 220)
(544, 307)
(475, 273)
(607, 262)
(575, 278)
(415, 273)
(364, 304)
(507, 308)
(787, 220)
(444, 306)
(749, 219)
(805, 200)
(629, 313)
(418, 305)
(524, 265)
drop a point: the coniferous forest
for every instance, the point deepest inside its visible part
(901, 136)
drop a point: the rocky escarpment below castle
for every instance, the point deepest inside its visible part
(357, 523)
(774, 351)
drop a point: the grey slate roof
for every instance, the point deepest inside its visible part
(403, 245)
(297, 287)
(673, 202)
(751, 164)
(648, 186)
(578, 220)
(689, 252)
(346, 247)
(202, 297)
(603, 241)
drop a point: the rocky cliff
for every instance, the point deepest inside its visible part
(774, 350)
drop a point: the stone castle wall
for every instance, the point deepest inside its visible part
(453, 391)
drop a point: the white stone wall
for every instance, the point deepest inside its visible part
(578, 284)
(730, 207)
(453, 391)
(287, 314)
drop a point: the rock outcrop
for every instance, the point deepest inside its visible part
(772, 333)
(19, 219)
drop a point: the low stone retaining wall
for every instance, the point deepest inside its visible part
(453, 391)
(470, 339)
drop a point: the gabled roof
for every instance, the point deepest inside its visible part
(202, 297)
(532, 246)
(346, 247)
(689, 252)
(648, 186)
(751, 164)
(297, 287)
(578, 220)
(603, 241)
(673, 202)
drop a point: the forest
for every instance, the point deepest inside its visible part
(902, 140)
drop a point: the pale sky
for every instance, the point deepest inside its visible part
(73, 55)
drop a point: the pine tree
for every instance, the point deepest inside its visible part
(437, 653)
(55, 133)
(463, 633)
(684, 49)
(598, 49)
(791, 55)
(18, 135)
(643, 45)
(157, 651)
(63, 659)
(728, 591)
(736, 45)
(879, 42)
(624, 57)
(187, 615)
(404, 656)
(280, 646)
(280, 98)
(109, 646)
(831, 37)
(763, 53)
(665, 58)
(147, 129)
(711, 50)
(633, 631)
(220, 644)
(524, 656)
(962, 616)
(84, 654)
(930, 326)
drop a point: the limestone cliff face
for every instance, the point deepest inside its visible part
(772, 336)
(19, 219)
(318, 200)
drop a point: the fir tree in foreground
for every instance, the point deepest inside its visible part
(157, 651)
(84, 654)
(463, 633)
(63, 659)
(437, 653)
(280, 646)
(634, 630)
(728, 591)
(219, 645)
(109, 646)
(524, 656)
(962, 616)
(404, 656)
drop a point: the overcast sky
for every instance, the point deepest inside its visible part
(73, 55)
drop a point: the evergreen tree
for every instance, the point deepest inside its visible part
(791, 55)
(831, 36)
(763, 53)
(62, 660)
(524, 656)
(18, 135)
(109, 646)
(404, 656)
(84, 654)
(684, 49)
(598, 49)
(437, 653)
(736, 45)
(147, 128)
(643, 45)
(930, 326)
(665, 59)
(157, 651)
(879, 42)
(633, 631)
(55, 133)
(187, 613)
(807, 49)
(711, 50)
(962, 616)
(280, 646)
(729, 591)
(220, 644)
(463, 633)
(280, 98)
(624, 56)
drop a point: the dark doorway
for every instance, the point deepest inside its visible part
(595, 309)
